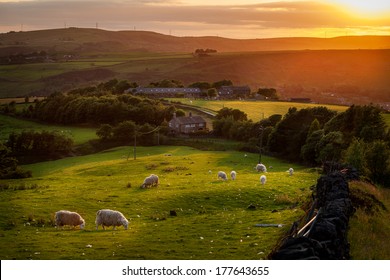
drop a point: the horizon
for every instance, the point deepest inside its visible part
(186, 36)
(233, 19)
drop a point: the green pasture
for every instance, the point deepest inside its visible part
(212, 222)
(256, 110)
(10, 124)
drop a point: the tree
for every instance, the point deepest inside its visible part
(309, 151)
(290, 134)
(330, 147)
(355, 155)
(222, 83)
(105, 132)
(378, 159)
(236, 114)
(268, 93)
(124, 131)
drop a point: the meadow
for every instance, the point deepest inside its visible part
(255, 110)
(213, 219)
(10, 124)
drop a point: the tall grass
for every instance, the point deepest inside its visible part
(369, 229)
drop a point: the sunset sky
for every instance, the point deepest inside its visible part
(224, 18)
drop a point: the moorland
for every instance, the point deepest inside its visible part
(342, 70)
(107, 149)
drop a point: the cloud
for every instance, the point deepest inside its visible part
(155, 15)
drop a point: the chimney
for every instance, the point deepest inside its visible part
(190, 114)
(174, 115)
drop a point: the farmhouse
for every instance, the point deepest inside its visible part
(233, 91)
(187, 124)
(165, 92)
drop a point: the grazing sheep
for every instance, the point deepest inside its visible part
(263, 179)
(222, 175)
(68, 218)
(210, 171)
(233, 175)
(291, 171)
(107, 217)
(261, 167)
(150, 181)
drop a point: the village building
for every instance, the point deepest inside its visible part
(187, 124)
(165, 92)
(234, 91)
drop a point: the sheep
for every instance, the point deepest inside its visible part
(261, 167)
(291, 171)
(150, 181)
(107, 217)
(68, 218)
(222, 175)
(263, 179)
(233, 175)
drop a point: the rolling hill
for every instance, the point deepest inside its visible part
(342, 70)
(85, 40)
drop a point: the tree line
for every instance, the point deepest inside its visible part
(358, 137)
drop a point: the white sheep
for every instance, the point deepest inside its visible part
(233, 175)
(263, 179)
(68, 218)
(222, 175)
(107, 217)
(261, 167)
(150, 181)
(291, 171)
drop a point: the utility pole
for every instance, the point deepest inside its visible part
(135, 140)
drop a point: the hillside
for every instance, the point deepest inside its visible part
(341, 70)
(84, 40)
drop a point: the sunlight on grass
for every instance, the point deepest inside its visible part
(212, 218)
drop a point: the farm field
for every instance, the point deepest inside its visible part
(213, 220)
(9, 124)
(256, 110)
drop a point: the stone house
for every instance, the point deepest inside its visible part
(187, 124)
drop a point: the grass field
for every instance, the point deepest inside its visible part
(9, 124)
(369, 231)
(213, 220)
(256, 110)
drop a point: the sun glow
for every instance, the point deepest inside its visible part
(370, 8)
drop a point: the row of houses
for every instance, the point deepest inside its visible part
(223, 92)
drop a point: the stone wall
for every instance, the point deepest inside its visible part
(326, 236)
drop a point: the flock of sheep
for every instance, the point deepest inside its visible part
(107, 217)
(259, 167)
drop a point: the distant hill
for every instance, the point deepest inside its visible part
(84, 40)
(340, 70)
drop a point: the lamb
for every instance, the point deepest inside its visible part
(150, 181)
(107, 217)
(261, 167)
(233, 175)
(68, 218)
(263, 179)
(291, 171)
(222, 175)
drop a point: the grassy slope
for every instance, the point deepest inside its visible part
(325, 76)
(78, 134)
(212, 221)
(369, 232)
